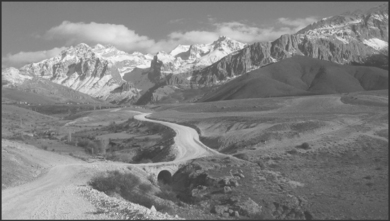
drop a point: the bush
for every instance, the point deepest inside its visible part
(242, 156)
(146, 160)
(304, 146)
(166, 192)
(114, 181)
(152, 180)
(292, 151)
(145, 187)
(125, 184)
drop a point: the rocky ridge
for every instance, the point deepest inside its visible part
(344, 39)
(98, 71)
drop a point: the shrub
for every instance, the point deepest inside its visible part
(304, 146)
(292, 151)
(146, 160)
(114, 181)
(166, 192)
(144, 187)
(152, 180)
(242, 156)
(125, 184)
(261, 165)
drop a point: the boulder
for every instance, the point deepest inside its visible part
(225, 215)
(249, 207)
(220, 209)
(227, 189)
(224, 182)
(234, 183)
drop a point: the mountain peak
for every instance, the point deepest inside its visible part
(99, 46)
(82, 45)
(222, 38)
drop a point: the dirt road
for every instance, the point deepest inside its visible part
(54, 195)
(186, 141)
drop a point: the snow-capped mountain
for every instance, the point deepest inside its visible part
(98, 71)
(110, 74)
(370, 27)
(349, 38)
(187, 58)
(12, 77)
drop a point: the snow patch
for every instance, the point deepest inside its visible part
(375, 43)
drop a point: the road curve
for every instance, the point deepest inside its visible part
(53, 196)
(186, 140)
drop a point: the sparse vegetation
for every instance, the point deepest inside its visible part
(126, 185)
(292, 152)
(304, 146)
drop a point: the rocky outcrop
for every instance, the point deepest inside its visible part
(350, 38)
(87, 70)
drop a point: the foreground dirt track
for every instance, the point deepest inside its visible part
(54, 195)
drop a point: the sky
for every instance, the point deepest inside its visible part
(34, 31)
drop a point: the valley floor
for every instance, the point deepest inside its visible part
(340, 173)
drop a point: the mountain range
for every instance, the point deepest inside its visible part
(109, 74)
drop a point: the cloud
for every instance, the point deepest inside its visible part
(128, 40)
(22, 58)
(241, 32)
(117, 35)
(176, 21)
(298, 23)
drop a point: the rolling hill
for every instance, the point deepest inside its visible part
(300, 75)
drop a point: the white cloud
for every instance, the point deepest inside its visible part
(176, 21)
(298, 23)
(118, 35)
(127, 40)
(22, 58)
(240, 31)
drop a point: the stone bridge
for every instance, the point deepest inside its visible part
(162, 172)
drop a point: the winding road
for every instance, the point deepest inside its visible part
(53, 195)
(186, 140)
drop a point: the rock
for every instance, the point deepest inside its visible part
(224, 182)
(153, 209)
(312, 41)
(236, 214)
(220, 209)
(211, 181)
(227, 189)
(200, 187)
(249, 207)
(231, 212)
(234, 183)
(225, 215)
(199, 193)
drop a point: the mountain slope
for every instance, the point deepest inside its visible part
(345, 39)
(19, 87)
(187, 58)
(301, 75)
(100, 71)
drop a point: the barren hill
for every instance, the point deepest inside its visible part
(301, 75)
